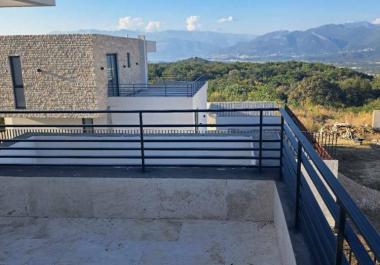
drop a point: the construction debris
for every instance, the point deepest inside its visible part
(347, 131)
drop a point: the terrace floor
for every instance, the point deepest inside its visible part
(200, 216)
(119, 241)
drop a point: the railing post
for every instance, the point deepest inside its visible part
(281, 146)
(261, 141)
(298, 183)
(340, 226)
(142, 141)
(196, 122)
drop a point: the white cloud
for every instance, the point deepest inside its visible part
(153, 26)
(138, 23)
(376, 21)
(226, 19)
(192, 23)
(131, 23)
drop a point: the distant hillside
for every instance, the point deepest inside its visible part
(297, 83)
(352, 42)
(355, 45)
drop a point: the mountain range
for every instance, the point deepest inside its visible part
(173, 45)
(351, 42)
(335, 43)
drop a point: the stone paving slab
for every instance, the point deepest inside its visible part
(48, 241)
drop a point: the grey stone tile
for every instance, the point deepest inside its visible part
(69, 198)
(140, 242)
(125, 198)
(250, 200)
(195, 199)
(13, 197)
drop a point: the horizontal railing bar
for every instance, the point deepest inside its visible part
(137, 148)
(134, 111)
(351, 238)
(139, 157)
(137, 141)
(70, 141)
(361, 222)
(138, 165)
(314, 209)
(321, 187)
(291, 163)
(361, 254)
(313, 235)
(136, 125)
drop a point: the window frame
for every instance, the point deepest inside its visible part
(115, 88)
(129, 65)
(88, 121)
(20, 103)
(2, 124)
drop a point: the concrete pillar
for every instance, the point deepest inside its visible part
(333, 165)
(376, 120)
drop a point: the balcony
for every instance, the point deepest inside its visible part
(161, 88)
(253, 192)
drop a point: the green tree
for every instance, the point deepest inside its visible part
(317, 91)
(357, 91)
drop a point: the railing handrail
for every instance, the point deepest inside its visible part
(178, 88)
(131, 111)
(361, 222)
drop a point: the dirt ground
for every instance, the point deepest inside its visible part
(360, 163)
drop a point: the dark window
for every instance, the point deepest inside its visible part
(18, 84)
(112, 74)
(88, 128)
(2, 123)
(129, 60)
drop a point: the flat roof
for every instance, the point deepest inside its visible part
(26, 3)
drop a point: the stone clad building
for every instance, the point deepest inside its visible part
(87, 72)
(67, 72)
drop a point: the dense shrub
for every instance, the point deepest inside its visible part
(297, 83)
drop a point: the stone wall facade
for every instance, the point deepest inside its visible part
(67, 72)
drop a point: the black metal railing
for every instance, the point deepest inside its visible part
(158, 89)
(325, 143)
(336, 230)
(334, 227)
(145, 138)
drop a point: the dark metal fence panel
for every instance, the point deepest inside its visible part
(351, 239)
(139, 143)
(324, 143)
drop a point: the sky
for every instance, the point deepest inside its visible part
(233, 16)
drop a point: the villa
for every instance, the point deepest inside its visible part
(98, 165)
(88, 72)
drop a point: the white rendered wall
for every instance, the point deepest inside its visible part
(246, 120)
(199, 101)
(284, 241)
